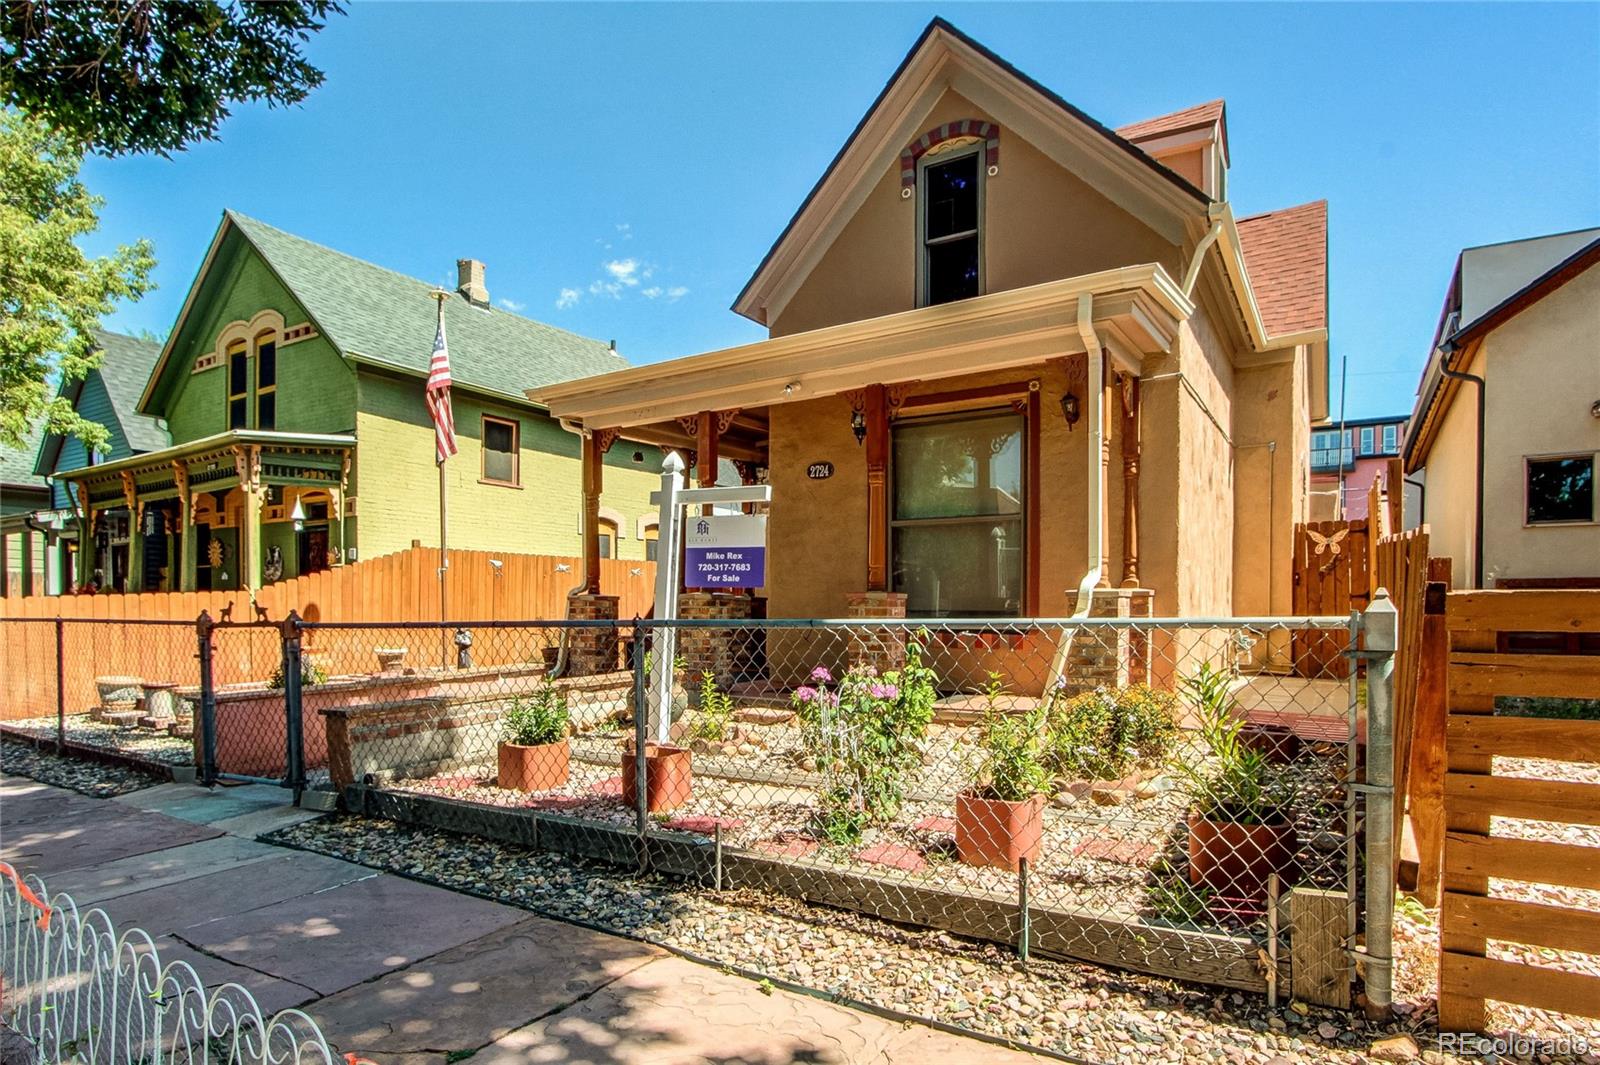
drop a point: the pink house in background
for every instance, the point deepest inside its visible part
(1342, 470)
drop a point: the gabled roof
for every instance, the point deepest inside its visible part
(1115, 166)
(1286, 253)
(16, 463)
(1200, 116)
(125, 366)
(374, 315)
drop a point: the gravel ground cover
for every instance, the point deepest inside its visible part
(1417, 929)
(1081, 1010)
(90, 778)
(144, 743)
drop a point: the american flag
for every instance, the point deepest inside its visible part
(438, 396)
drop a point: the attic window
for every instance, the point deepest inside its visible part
(951, 253)
(238, 386)
(266, 381)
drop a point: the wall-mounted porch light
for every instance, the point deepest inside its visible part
(298, 515)
(1069, 408)
(858, 424)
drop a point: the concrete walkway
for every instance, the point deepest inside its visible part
(403, 973)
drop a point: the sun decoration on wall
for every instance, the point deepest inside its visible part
(214, 553)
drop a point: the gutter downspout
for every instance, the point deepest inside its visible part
(1192, 275)
(1477, 521)
(560, 668)
(1096, 409)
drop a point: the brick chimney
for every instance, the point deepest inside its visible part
(469, 281)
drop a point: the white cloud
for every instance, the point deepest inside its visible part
(677, 292)
(568, 297)
(671, 295)
(512, 305)
(625, 271)
(625, 231)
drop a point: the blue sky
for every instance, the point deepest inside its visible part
(622, 168)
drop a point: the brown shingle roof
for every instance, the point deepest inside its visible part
(1189, 118)
(1286, 253)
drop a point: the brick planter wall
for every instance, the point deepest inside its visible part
(591, 651)
(1104, 657)
(713, 651)
(884, 649)
(410, 738)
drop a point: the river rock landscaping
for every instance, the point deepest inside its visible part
(155, 745)
(96, 779)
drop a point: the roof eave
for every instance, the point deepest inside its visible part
(214, 442)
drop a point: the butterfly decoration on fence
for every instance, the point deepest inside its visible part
(1331, 544)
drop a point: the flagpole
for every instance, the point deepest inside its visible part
(444, 545)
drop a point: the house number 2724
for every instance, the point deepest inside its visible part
(819, 471)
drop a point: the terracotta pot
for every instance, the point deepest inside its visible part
(1278, 742)
(541, 767)
(668, 778)
(998, 833)
(1235, 860)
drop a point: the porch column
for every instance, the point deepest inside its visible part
(707, 438)
(130, 494)
(25, 539)
(1130, 481)
(877, 454)
(248, 462)
(86, 542)
(593, 480)
(188, 542)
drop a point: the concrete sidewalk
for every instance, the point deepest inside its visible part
(400, 972)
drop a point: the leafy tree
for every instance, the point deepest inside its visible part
(153, 75)
(51, 294)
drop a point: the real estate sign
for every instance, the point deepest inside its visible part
(725, 551)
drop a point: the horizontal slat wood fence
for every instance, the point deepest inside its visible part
(1475, 850)
(401, 587)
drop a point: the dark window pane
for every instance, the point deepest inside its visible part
(238, 381)
(952, 197)
(1561, 490)
(237, 413)
(499, 451)
(966, 570)
(605, 545)
(651, 548)
(953, 270)
(267, 365)
(959, 468)
(497, 436)
(267, 410)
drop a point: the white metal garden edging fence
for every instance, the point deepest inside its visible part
(78, 991)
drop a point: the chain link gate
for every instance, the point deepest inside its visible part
(251, 724)
(1169, 796)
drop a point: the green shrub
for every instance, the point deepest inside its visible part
(1106, 733)
(537, 719)
(310, 674)
(712, 720)
(1014, 767)
(865, 732)
(1237, 783)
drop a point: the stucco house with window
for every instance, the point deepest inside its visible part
(1013, 354)
(1507, 419)
(1346, 458)
(291, 388)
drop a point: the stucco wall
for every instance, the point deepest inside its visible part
(1543, 373)
(1206, 476)
(1041, 223)
(1452, 467)
(396, 483)
(1268, 468)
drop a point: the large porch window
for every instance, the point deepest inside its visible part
(957, 516)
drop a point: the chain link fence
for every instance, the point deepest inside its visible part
(1179, 797)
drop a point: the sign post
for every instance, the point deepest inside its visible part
(722, 551)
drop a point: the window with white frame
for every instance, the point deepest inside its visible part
(1391, 438)
(956, 518)
(951, 252)
(1366, 439)
(1560, 489)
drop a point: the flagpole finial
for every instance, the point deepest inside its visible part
(440, 294)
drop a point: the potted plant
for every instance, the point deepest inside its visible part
(1240, 829)
(1000, 819)
(534, 754)
(668, 776)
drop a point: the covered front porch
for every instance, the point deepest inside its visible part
(949, 461)
(236, 510)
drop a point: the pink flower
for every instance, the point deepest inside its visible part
(821, 673)
(805, 693)
(884, 691)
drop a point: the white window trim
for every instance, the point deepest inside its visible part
(1594, 503)
(1369, 440)
(938, 158)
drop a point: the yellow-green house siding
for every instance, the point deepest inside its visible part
(398, 498)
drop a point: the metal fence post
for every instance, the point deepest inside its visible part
(61, 685)
(1380, 624)
(208, 702)
(294, 726)
(641, 718)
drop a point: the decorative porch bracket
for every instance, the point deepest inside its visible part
(673, 500)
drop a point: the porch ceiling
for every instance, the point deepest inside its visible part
(1137, 310)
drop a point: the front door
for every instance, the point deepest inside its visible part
(313, 549)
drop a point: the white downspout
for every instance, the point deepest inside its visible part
(1097, 485)
(1192, 274)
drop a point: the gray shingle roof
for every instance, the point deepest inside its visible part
(16, 463)
(125, 369)
(381, 316)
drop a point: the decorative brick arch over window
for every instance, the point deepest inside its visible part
(962, 128)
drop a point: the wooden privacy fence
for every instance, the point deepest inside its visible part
(401, 587)
(1332, 575)
(1481, 672)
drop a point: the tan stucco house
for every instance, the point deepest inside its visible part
(1507, 420)
(1011, 351)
